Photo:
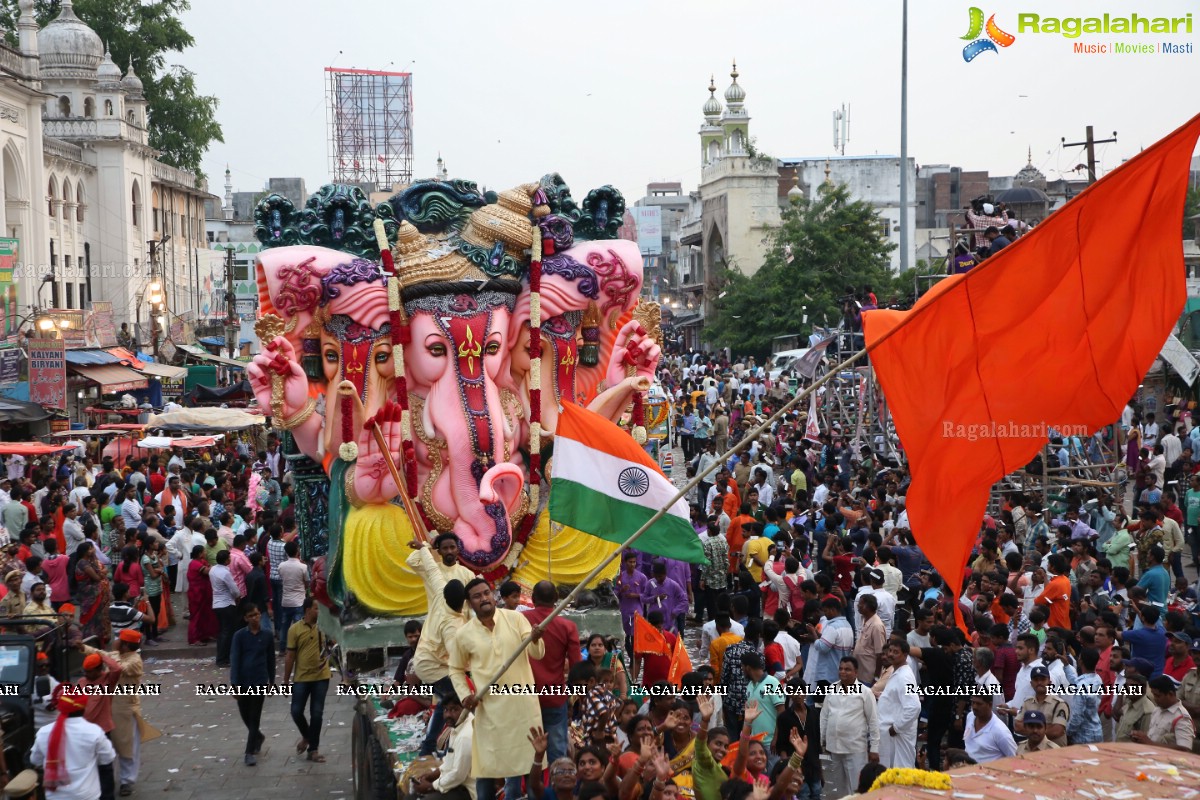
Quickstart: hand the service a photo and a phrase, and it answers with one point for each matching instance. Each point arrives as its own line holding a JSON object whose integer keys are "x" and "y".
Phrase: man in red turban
{"x": 71, "y": 749}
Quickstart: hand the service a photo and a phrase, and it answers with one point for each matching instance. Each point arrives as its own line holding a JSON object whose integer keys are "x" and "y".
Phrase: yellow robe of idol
{"x": 375, "y": 546}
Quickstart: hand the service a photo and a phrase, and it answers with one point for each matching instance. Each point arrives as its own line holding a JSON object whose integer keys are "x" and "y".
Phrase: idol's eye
{"x": 493, "y": 348}
{"x": 436, "y": 350}
{"x": 382, "y": 356}
{"x": 331, "y": 355}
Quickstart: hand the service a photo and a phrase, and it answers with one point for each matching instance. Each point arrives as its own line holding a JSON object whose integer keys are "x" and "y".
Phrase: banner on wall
{"x": 9, "y": 254}
{"x": 48, "y": 373}
{"x": 10, "y": 365}
{"x": 99, "y": 327}
{"x": 649, "y": 229}
{"x": 71, "y": 323}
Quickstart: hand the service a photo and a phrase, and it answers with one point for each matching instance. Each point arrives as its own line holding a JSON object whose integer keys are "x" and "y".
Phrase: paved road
{"x": 200, "y": 752}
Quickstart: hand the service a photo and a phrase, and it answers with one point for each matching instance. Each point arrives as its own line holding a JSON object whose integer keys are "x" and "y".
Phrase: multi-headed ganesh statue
{"x": 445, "y": 327}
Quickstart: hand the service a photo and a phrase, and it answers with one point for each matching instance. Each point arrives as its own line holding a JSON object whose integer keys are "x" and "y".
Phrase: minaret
{"x": 227, "y": 209}
{"x": 442, "y": 174}
{"x": 27, "y": 35}
{"x": 735, "y": 122}
{"x": 712, "y": 139}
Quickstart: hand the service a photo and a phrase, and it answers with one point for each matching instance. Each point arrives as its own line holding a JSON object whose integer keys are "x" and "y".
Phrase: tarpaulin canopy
{"x": 123, "y": 426}
{"x": 204, "y": 355}
{"x": 32, "y": 448}
{"x": 163, "y": 371}
{"x": 67, "y": 434}
{"x": 186, "y": 442}
{"x": 126, "y": 357}
{"x": 90, "y": 358}
{"x": 205, "y": 419}
{"x": 20, "y": 411}
{"x": 201, "y": 395}
{"x": 112, "y": 378}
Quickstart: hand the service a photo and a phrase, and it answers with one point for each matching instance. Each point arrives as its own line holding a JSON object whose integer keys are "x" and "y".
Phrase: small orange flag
{"x": 1054, "y": 332}
{"x": 647, "y": 639}
{"x": 681, "y": 663}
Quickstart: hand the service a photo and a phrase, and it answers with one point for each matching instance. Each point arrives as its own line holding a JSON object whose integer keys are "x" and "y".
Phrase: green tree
{"x": 143, "y": 32}
{"x": 1191, "y": 207}
{"x": 902, "y": 288}
{"x": 822, "y": 249}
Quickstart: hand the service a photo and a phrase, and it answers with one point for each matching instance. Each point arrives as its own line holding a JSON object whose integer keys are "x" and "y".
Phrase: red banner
{"x": 48, "y": 373}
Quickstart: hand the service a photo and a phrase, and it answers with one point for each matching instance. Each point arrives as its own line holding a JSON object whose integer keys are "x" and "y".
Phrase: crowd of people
{"x": 817, "y": 628}
{"x": 822, "y": 648}
{"x": 91, "y": 554}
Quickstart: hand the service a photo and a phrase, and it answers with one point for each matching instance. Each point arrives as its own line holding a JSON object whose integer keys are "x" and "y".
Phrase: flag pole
{"x": 753, "y": 434}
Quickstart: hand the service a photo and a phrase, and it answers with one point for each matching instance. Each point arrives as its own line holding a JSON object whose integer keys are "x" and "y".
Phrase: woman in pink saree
{"x": 202, "y": 625}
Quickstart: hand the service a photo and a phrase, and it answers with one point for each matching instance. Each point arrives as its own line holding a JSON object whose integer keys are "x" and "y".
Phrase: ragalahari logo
{"x": 995, "y": 36}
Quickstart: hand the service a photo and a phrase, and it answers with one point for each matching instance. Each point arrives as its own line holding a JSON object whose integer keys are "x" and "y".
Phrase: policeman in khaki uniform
{"x": 22, "y": 787}
{"x": 1054, "y": 709}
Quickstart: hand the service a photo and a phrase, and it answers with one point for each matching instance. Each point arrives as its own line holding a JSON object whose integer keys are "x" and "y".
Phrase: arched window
{"x": 89, "y": 107}
{"x": 67, "y": 194}
{"x": 714, "y": 151}
{"x": 108, "y": 108}
{"x": 64, "y": 106}
{"x": 129, "y": 117}
{"x": 52, "y": 195}
{"x": 137, "y": 205}
{"x": 79, "y": 201}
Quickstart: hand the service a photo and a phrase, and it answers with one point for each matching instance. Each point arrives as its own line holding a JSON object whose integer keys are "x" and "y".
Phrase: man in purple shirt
{"x": 666, "y": 595}
{"x": 678, "y": 571}
{"x": 629, "y": 586}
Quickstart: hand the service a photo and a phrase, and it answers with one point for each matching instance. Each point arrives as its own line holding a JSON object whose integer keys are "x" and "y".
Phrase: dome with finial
{"x": 795, "y": 191}
{"x": 131, "y": 82}
{"x": 108, "y": 74}
{"x": 735, "y": 94}
{"x": 1029, "y": 175}
{"x": 68, "y": 48}
{"x": 712, "y": 106}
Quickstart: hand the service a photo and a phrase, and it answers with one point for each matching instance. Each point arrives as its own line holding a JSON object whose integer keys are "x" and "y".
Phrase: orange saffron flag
{"x": 647, "y": 639}
{"x": 1056, "y": 331}
{"x": 681, "y": 663}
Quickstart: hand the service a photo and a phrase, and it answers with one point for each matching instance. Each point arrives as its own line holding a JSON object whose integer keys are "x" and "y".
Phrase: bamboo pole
{"x": 346, "y": 389}
{"x": 765, "y": 426}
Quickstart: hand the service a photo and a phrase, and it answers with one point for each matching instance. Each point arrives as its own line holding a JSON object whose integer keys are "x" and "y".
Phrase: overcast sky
{"x": 611, "y": 92}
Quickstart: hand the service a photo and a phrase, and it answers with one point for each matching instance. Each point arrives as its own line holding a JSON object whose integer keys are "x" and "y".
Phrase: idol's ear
{"x": 289, "y": 284}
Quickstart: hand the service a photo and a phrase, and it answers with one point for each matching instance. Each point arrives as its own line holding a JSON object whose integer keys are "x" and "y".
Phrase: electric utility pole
{"x": 1090, "y": 143}
{"x": 232, "y": 323}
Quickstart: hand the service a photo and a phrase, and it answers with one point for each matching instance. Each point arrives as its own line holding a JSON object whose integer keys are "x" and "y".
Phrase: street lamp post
{"x": 155, "y": 296}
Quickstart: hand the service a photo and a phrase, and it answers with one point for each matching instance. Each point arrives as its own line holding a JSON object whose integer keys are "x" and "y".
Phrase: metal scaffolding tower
{"x": 370, "y": 126}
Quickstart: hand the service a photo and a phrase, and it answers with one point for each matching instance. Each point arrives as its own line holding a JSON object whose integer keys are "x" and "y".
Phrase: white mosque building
{"x": 84, "y": 194}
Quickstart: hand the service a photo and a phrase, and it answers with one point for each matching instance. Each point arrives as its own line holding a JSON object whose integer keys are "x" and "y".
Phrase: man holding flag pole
{"x": 932, "y": 374}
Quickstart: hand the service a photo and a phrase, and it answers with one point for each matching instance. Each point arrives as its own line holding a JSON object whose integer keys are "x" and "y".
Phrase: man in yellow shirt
{"x": 756, "y": 551}
{"x": 308, "y": 657}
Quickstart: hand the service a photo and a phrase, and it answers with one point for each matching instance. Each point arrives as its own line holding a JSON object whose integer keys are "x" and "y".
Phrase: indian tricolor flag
{"x": 604, "y": 484}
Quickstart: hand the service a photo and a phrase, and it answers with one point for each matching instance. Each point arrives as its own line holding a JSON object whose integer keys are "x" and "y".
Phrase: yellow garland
{"x": 535, "y": 250}
{"x": 348, "y": 451}
{"x": 514, "y": 553}
{"x": 535, "y": 373}
{"x": 535, "y": 447}
{"x": 926, "y": 779}
{"x": 535, "y": 310}
{"x": 380, "y": 235}
{"x": 406, "y": 425}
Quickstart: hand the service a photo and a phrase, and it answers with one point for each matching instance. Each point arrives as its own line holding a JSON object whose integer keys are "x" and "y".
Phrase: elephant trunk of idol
{"x": 484, "y": 487}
